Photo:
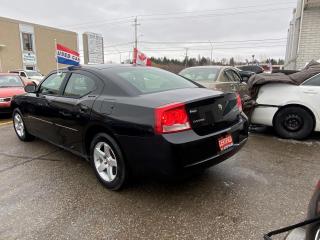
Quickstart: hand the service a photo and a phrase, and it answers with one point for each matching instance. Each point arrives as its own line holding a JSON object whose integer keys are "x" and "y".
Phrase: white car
{"x": 34, "y": 76}
{"x": 293, "y": 111}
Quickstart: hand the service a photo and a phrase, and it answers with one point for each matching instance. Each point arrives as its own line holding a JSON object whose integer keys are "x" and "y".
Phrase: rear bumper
{"x": 264, "y": 115}
{"x": 170, "y": 153}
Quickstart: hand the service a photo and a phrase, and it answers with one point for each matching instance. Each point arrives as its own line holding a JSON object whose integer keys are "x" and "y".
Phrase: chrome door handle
{"x": 310, "y": 91}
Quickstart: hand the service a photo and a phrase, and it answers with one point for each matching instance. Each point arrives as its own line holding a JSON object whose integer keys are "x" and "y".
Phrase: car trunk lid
{"x": 213, "y": 113}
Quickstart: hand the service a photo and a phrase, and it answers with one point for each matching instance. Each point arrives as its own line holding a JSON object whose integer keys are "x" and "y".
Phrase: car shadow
{"x": 269, "y": 131}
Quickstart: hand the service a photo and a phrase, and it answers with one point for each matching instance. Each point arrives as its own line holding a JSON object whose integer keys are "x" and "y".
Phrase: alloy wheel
{"x": 317, "y": 236}
{"x": 105, "y": 161}
{"x": 19, "y": 125}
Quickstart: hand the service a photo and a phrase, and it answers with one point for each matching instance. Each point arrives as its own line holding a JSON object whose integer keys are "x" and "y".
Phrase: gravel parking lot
{"x": 47, "y": 193}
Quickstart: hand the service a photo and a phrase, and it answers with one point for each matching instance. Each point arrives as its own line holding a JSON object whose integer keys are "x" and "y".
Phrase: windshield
{"x": 33, "y": 74}
{"x": 148, "y": 80}
{"x": 10, "y": 81}
{"x": 200, "y": 74}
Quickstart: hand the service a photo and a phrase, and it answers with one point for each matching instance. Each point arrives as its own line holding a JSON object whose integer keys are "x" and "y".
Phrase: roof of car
{"x": 9, "y": 74}
{"x": 210, "y": 66}
{"x": 98, "y": 66}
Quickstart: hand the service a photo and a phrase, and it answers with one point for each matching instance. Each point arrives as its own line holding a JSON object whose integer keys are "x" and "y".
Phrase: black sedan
{"x": 129, "y": 120}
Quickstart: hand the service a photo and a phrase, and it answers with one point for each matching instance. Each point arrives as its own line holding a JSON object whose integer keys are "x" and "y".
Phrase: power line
{"x": 216, "y": 42}
{"x": 116, "y": 45}
{"x": 145, "y": 16}
{"x": 201, "y": 49}
{"x": 215, "y": 15}
{"x": 214, "y": 10}
{"x": 109, "y": 21}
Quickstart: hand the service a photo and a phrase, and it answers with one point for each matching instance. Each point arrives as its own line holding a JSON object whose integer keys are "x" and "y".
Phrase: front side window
{"x": 27, "y": 42}
{"x": 52, "y": 84}
{"x": 314, "y": 81}
{"x": 79, "y": 85}
{"x": 148, "y": 80}
{"x": 10, "y": 81}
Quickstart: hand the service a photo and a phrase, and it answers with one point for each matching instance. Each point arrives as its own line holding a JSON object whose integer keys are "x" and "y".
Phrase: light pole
{"x": 211, "y": 43}
{"x": 186, "y": 57}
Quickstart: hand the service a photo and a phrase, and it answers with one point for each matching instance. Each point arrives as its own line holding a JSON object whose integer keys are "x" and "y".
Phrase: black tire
{"x": 120, "y": 170}
{"x": 26, "y": 136}
{"x": 293, "y": 123}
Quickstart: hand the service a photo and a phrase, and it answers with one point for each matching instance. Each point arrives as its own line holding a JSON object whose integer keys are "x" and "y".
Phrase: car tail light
{"x": 171, "y": 118}
{"x": 239, "y": 102}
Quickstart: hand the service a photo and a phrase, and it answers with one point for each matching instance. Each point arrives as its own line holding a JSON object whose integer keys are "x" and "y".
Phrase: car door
{"x": 39, "y": 109}
{"x": 310, "y": 93}
{"x": 74, "y": 108}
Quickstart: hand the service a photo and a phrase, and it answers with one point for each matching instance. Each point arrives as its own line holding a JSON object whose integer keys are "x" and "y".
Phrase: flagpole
{"x": 55, "y": 46}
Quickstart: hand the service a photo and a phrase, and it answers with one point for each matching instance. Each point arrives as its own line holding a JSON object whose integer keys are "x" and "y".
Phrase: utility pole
{"x": 136, "y": 24}
{"x": 186, "y": 57}
{"x": 118, "y": 52}
{"x": 211, "y": 43}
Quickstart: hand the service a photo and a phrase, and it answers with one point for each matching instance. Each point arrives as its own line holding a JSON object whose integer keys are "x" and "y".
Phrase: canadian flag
{"x": 140, "y": 58}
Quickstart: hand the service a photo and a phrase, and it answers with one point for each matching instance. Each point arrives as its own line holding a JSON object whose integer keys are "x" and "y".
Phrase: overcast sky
{"x": 170, "y": 25}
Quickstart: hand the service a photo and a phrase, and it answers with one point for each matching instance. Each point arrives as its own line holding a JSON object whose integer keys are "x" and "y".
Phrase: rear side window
{"x": 314, "y": 81}
{"x": 79, "y": 85}
{"x": 233, "y": 76}
{"x": 52, "y": 84}
{"x": 148, "y": 80}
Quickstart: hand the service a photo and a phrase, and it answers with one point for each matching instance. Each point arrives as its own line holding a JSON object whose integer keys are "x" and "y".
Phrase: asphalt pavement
{"x": 48, "y": 193}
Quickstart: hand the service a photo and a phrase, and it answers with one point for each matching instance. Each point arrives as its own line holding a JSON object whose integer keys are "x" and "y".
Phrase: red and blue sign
{"x": 67, "y": 56}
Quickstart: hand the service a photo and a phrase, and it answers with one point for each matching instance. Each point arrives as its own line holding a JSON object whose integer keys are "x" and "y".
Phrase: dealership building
{"x": 303, "y": 44}
{"x": 31, "y": 46}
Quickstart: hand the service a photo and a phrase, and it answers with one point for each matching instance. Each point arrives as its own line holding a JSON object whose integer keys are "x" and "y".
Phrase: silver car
{"x": 223, "y": 78}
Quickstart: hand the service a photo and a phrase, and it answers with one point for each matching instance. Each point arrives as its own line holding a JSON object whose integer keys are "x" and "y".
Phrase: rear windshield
{"x": 10, "y": 81}
{"x": 33, "y": 74}
{"x": 149, "y": 80}
{"x": 200, "y": 74}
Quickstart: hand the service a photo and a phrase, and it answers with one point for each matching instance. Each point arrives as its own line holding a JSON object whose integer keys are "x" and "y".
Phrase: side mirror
{"x": 30, "y": 87}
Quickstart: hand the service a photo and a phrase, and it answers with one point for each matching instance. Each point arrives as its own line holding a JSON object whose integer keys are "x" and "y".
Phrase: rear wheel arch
{"x": 298, "y": 106}
{"x": 91, "y": 132}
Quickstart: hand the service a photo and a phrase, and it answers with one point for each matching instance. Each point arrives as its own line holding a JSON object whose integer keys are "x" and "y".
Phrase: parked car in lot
{"x": 245, "y": 75}
{"x": 223, "y": 78}
{"x": 252, "y": 68}
{"x": 292, "y": 110}
{"x": 10, "y": 85}
{"x": 28, "y": 75}
{"x": 125, "y": 118}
